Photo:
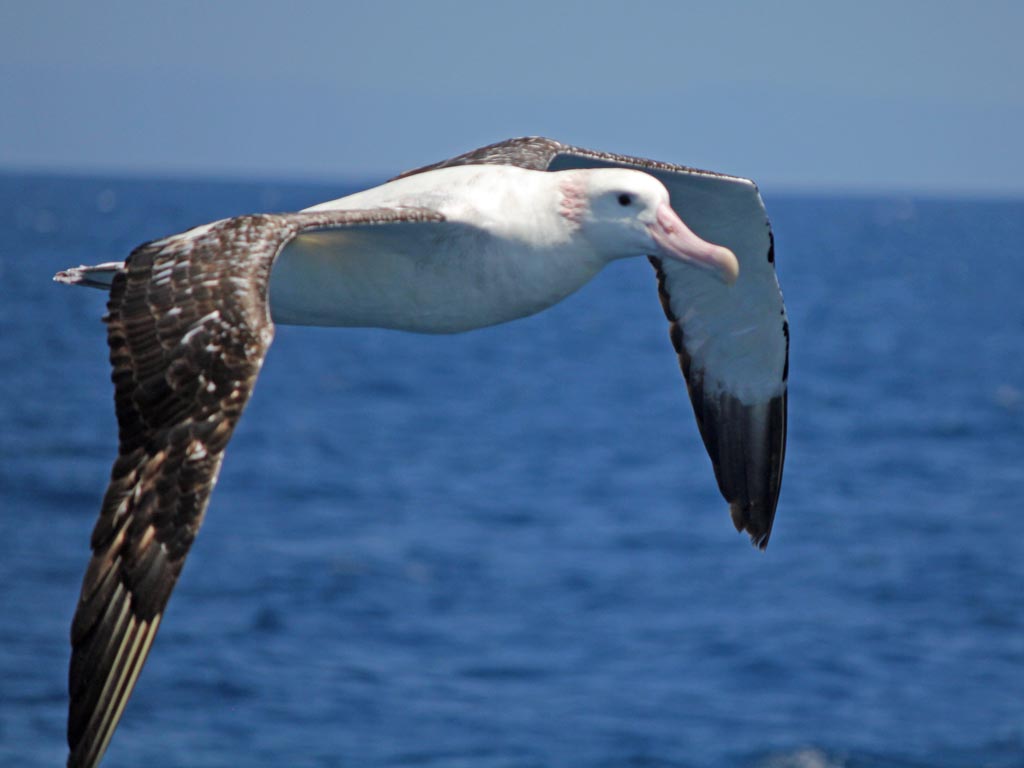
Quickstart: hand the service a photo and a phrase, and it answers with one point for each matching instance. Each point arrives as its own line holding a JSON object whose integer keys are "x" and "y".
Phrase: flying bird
{"x": 499, "y": 233}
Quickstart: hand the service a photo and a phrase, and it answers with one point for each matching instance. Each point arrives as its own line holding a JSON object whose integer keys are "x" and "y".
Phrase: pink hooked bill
{"x": 677, "y": 241}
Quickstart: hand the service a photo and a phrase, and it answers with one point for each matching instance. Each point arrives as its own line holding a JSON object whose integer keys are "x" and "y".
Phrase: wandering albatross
{"x": 498, "y": 233}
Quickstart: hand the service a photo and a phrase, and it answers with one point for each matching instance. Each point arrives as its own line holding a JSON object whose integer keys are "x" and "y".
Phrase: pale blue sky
{"x": 922, "y": 96}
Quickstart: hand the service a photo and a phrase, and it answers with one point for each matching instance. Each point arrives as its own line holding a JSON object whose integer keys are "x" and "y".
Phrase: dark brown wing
{"x": 732, "y": 342}
{"x": 534, "y": 153}
{"x": 188, "y": 328}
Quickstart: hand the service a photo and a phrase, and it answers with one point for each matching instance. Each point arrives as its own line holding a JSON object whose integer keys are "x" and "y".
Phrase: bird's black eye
{"x": 625, "y": 199}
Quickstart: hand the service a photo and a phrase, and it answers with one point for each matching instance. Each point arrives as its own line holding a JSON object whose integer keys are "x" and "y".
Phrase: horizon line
{"x": 297, "y": 178}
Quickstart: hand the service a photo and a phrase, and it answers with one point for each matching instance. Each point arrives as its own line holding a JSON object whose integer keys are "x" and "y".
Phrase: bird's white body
{"x": 482, "y": 267}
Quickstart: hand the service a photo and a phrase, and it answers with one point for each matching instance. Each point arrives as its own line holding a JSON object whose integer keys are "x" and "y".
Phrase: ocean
{"x": 506, "y": 548}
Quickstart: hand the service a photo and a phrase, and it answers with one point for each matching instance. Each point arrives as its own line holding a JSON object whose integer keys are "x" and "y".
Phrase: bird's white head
{"x": 627, "y": 213}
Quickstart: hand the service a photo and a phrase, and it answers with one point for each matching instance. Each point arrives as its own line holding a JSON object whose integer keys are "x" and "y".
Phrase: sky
{"x": 865, "y": 96}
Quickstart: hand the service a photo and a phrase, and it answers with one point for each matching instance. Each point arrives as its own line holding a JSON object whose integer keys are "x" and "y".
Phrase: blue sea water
{"x": 506, "y": 548}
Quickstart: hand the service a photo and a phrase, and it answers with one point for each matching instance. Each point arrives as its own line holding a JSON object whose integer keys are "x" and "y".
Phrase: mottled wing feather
{"x": 186, "y": 345}
{"x": 531, "y": 152}
{"x": 188, "y": 328}
{"x": 732, "y": 342}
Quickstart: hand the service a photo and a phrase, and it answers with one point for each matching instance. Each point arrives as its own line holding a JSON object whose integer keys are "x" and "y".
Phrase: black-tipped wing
{"x": 188, "y": 328}
{"x": 732, "y": 341}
